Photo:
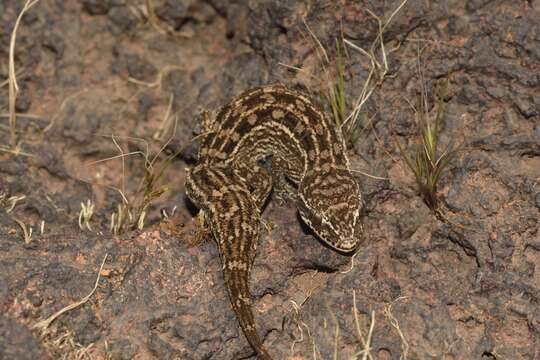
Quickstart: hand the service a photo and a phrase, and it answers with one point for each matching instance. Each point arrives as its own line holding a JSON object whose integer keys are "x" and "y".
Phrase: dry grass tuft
{"x": 161, "y": 27}
{"x": 27, "y": 231}
{"x": 332, "y": 80}
{"x": 131, "y": 213}
{"x": 427, "y": 162}
{"x": 365, "y": 339}
{"x": 85, "y": 215}
{"x": 334, "y": 93}
{"x": 9, "y": 202}
{"x": 378, "y": 57}
{"x": 61, "y": 343}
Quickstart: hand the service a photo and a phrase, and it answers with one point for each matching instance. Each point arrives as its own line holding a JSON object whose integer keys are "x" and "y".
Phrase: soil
{"x": 98, "y": 80}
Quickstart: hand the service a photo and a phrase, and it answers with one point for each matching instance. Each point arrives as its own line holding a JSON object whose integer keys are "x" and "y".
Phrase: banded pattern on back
{"x": 230, "y": 187}
{"x": 274, "y": 120}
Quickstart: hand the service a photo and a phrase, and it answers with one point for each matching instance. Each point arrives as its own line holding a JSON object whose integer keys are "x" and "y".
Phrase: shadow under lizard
{"x": 230, "y": 187}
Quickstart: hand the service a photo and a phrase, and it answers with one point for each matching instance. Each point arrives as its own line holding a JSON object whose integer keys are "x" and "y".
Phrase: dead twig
{"x": 366, "y": 342}
{"x": 44, "y": 324}
{"x": 27, "y": 232}
{"x": 12, "y": 79}
{"x": 395, "y": 324}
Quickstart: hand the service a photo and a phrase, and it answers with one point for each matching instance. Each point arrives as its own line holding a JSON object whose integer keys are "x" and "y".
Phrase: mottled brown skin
{"x": 230, "y": 187}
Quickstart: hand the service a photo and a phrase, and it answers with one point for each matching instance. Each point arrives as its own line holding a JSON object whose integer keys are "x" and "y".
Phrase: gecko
{"x": 268, "y": 139}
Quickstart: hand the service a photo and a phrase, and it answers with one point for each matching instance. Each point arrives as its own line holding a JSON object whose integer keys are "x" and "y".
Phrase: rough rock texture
{"x": 96, "y": 76}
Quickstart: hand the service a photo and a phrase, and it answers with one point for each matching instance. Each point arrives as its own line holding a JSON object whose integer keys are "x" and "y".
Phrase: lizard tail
{"x": 238, "y": 238}
{"x": 235, "y": 222}
{"x": 241, "y": 302}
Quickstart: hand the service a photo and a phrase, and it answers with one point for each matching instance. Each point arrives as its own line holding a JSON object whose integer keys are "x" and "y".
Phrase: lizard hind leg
{"x": 202, "y": 232}
{"x": 284, "y": 189}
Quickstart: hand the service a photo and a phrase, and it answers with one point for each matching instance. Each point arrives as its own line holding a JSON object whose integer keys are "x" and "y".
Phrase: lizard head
{"x": 330, "y": 203}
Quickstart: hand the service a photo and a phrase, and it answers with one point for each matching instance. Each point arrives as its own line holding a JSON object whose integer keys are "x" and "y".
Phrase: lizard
{"x": 230, "y": 184}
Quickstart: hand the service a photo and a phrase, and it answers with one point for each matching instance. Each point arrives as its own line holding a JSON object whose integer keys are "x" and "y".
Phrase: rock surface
{"x": 96, "y": 77}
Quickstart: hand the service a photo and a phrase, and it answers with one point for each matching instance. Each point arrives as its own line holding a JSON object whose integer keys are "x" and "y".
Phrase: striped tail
{"x": 237, "y": 286}
{"x": 235, "y": 222}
